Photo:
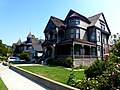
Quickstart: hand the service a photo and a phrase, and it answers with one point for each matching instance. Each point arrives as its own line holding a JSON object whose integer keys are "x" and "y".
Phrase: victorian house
{"x": 84, "y": 39}
{"x": 32, "y": 46}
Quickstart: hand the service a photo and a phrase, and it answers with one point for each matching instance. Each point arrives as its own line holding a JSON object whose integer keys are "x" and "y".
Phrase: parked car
{"x": 15, "y": 59}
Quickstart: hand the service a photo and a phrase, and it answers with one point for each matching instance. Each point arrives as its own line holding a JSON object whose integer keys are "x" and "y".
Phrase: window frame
{"x": 98, "y": 36}
{"x": 102, "y": 26}
{"x": 74, "y": 21}
{"x": 77, "y": 33}
{"x": 74, "y": 33}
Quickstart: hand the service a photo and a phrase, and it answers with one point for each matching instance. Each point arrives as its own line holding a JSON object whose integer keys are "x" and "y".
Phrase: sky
{"x": 19, "y": 17}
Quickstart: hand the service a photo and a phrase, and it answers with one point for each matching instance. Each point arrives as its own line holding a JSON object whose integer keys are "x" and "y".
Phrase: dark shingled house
{"x": 84, "y": 39}
{"x": 32, "y": 46}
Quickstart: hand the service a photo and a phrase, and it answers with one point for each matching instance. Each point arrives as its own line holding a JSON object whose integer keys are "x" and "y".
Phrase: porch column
{"x": 54, "y": 50}
{"x": 57, "y": 34}
{"x": 83, "y": 51}
{"x": 73, "y": 53}
{"x": 90, "y": 52}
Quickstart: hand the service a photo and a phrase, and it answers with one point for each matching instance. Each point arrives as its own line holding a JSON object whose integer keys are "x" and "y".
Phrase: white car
{"x": 14, "y": 59}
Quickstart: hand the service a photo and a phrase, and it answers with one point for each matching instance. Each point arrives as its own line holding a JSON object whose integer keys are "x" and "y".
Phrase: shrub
{"x": 81, "y": 67}
{"x": 97, "y": 68}
{"x": 24, "y": 56}
{"x": 72, "y": 79}
{"x": 69, "y": 62}
{"x": 57, "y": 62}
{"x": 114, "y": 58}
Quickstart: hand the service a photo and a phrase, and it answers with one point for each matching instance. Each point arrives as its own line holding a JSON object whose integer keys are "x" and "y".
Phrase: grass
{"x": 56, "y": 73}
{"x": 2, "y": 85}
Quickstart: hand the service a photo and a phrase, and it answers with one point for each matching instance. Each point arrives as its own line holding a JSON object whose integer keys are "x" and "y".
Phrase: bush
{"x": 114, "y": 58}
{"x": 24, "y": 56}
{"x": 97, "y": 68}
{"x": 57, "y": 62}
{"x": 72, "y": 79}
{"x": 69, "y": 62}
{"x": 102, "y": 75}
{"x": 81, "y": 67}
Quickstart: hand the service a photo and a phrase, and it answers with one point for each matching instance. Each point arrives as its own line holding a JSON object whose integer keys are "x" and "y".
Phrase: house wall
{"x": 98, "y": 36}
{"x": 84, "y": 62}
{"x": 105, "y": 39}
{"x": 83, "y": 24}
{"x": 83, "y": 34}
{"x": 92, "y": 34}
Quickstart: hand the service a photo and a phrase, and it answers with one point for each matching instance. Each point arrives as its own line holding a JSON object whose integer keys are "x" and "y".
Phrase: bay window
{"x": 75, "y": 33}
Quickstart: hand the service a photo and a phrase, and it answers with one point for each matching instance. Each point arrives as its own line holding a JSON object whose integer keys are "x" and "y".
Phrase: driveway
{"x": 15, "y": 81}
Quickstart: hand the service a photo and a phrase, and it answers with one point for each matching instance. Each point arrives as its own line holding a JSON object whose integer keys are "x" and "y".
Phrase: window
{"x": 102, "y": 25}
{"x": 77, "y": 33}
{"x": 77, "y": 21}
{"x": 103, "y": 41}
{"x": 71, "y": 50}
{"x": 61, "y": 34}
{"x": 50, "y": 36}
{"x": 93, "y": 36}
{"x": 74, "y": 21}
{"x": 72, "y": 33}
{"x": 98, "y": 36}
{"x": 98, "y": 48}
{"x": 93, "y": 51}
{"x": 77, "y": 50}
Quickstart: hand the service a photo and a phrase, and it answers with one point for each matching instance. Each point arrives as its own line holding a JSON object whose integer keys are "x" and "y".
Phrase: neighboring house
{"x": 32, "y": 45}
{"x": 83, "y": 39}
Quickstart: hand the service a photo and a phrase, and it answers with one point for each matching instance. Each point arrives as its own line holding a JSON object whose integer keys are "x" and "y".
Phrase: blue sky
{"x": 19, "y": 17}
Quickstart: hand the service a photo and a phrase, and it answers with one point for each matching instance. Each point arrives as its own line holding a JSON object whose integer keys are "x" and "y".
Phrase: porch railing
{"x": 76, "y": 56}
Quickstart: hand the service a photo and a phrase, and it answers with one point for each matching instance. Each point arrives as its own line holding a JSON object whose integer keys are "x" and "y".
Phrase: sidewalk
{"x": 15, "y": 81}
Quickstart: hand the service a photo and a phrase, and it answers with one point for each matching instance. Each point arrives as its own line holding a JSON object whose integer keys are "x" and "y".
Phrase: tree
{"x": 5, "y": 50}
{"x": 24, "y": 56}
{"x": 116, "y": 48}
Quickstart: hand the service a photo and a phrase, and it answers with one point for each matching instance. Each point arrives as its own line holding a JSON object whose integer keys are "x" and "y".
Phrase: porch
{"x": 81, "y": 53}
{"x": 85, "y": 60}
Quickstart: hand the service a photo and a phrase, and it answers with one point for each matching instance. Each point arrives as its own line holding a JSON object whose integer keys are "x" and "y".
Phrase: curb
{"x": 42, "y": 80}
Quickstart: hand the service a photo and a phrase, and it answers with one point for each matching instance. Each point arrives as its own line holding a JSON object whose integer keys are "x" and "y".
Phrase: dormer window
{"x": 74, "y": 21}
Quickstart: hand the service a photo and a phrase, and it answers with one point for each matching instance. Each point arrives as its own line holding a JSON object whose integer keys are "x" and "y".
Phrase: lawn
{"x": 56, "y": 73}
{"x": 2, "y": 85}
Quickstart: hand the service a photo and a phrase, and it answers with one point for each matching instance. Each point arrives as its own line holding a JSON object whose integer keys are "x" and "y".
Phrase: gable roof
{"x": 56, "y": 22}
{"x": 75, "y": 14}
{"x": 94, "y": 19}
{"x": 19, "y": 41}
{"x": 37, "y": 47}
{"x": 30, "y": 35}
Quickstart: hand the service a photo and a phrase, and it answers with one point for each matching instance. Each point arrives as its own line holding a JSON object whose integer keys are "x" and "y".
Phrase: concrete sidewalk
{"x": 15, "y": 81}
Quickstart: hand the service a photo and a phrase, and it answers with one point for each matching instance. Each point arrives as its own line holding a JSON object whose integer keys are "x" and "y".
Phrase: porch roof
{"x": 77, "y": 41}
{"x": 47, "y": 43}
